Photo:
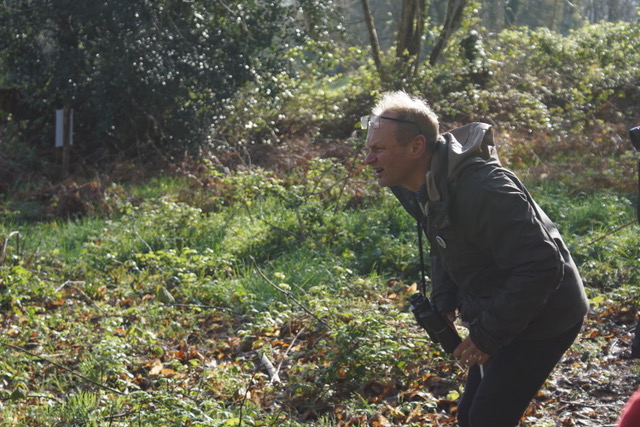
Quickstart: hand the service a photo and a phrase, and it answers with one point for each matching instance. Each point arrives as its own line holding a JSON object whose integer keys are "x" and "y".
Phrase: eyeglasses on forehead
{"x": 373, "y": 122}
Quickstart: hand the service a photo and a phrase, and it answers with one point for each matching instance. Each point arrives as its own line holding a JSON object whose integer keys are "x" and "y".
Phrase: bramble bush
{"x": 281, "y": 267}
{"x": 563, "y": 94}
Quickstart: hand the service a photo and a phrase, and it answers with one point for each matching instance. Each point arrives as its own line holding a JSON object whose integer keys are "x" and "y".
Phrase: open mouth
{"x": 378, "y": 172}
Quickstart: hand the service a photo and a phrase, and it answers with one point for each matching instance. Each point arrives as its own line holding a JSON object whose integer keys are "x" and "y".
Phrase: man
{"x": 496, "y": 258}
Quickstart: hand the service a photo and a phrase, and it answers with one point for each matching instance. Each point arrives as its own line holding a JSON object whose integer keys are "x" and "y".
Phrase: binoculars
{"x": 439, "y": 330}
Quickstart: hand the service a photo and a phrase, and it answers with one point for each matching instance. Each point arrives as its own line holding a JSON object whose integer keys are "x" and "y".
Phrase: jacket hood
{"x": 456, "y": 149}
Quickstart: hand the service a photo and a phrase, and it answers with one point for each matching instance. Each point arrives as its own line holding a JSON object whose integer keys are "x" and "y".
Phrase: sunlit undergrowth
{"x": 248, "y": 299}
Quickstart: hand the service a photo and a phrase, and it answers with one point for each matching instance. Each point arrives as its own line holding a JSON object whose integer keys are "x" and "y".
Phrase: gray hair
{"x": 412, "y": 108}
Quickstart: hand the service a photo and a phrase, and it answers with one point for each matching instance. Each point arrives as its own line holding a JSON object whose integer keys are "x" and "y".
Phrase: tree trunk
{"x": 452, "y": 20}
{"x": 554, "y": 15}
{"x": 373, "y": 39}
{"x": 410, "y": 36}
{"x": 511, "y": 8}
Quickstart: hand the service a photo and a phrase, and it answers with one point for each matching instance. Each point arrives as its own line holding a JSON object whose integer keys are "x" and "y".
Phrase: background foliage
{"x": 154, "y": 81}
{"x": 141, "y": 76}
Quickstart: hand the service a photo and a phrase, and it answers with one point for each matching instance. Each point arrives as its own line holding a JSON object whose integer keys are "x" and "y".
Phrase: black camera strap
{"x": 439, "y": 329}
{"x": 423, "y": 281}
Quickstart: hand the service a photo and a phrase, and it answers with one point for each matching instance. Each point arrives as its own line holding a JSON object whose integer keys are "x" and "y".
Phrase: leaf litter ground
{"x": 588, "y": 388}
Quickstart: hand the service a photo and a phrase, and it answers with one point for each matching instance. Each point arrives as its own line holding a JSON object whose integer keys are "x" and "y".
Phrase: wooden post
{"x": 64, "y": 135}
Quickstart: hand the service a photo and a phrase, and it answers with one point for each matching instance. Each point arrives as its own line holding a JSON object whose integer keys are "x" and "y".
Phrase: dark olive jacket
{"x": 495, "y": 255}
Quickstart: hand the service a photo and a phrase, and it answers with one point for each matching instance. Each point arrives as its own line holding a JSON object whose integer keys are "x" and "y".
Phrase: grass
{"x": 601, "y": 233}
{"x": 285, "y": 271}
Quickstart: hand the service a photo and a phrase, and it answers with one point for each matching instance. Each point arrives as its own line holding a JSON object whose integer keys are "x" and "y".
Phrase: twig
{"x": 288, "y": 295}
{"x": 348, "y": 177}
{"x": 43, "y": 396}
{"x": 244, "y": 398}
{"x": 271, "y": 370}
{"x": 217, "y": 307}
{"x": 586, "y": 404}
{"x": 116, "y": 416}
{"x": 135, "y": 230}
{"x": 64, "y": 368}
{"x": 72, "y": 285}
{"x": 609, "y": 233}
{"x": 3, "y": 253}
{"x": 288, "y": 350}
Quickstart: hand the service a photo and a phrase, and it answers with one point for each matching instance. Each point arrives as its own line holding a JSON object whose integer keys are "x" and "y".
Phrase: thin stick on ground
{"x": 57, "y": 365}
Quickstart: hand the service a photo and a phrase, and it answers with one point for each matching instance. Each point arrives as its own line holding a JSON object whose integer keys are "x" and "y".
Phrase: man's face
{"x": 393, "y": 162}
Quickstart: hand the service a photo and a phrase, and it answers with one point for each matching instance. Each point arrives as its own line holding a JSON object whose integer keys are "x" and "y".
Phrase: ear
{"x": 418, "y": 146}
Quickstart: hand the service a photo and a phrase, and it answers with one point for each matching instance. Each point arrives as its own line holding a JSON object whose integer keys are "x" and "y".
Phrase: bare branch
{"x": 57, "y": 365}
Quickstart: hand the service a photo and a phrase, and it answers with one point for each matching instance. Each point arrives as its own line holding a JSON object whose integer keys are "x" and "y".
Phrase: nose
{"x": 369, "y": 158}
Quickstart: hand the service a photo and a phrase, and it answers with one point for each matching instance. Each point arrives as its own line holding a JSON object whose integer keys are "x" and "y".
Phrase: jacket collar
{"x": 453, "y": 150}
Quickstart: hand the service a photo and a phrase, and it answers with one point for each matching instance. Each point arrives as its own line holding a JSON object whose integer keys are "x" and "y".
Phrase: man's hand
{"x": 450, "y": 316}
{"x": 469, "y": 354}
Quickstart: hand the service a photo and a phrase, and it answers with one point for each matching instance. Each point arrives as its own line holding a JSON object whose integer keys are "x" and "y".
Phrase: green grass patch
{"x": 165, "y": 312}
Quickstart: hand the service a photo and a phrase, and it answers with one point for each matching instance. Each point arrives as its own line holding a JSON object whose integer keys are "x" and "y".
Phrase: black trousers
{"x": 512, "y": 378}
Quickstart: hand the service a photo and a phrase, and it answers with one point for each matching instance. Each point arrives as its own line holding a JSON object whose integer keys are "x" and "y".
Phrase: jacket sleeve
{"x": 524, "y": 257}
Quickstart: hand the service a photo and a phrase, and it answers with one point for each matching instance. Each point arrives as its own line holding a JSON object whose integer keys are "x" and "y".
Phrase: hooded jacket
{"x": 495, "y": 255}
